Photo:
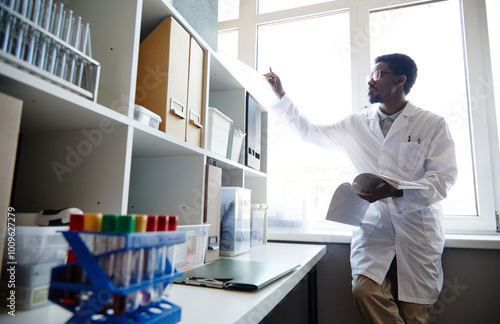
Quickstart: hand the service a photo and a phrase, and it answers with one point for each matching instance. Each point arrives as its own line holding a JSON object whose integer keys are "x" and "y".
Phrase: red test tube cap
{"x": 76, "y": 222}
{"x": 162, "y": 223}
{"x": 152, "y": 223}
{"x": 172, "y": 223}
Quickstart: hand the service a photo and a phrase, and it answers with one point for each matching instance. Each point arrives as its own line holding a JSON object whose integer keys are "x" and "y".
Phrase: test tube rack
{"x": 102, "y": 287}
{"x": 29, "y": 42}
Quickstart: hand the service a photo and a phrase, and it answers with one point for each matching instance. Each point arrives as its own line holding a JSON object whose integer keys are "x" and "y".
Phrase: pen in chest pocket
{"x": 418, "y": 140}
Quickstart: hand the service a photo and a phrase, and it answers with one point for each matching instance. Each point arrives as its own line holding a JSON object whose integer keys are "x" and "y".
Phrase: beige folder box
{"x": 195, "y": 94}
{"x": 162, "y": 76}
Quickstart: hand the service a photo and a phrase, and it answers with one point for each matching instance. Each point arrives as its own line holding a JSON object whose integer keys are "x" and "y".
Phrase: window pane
{"x": 229, "y": 10}
{"x": 228, "y": 42}
{"x": 437, "y": 48}
{"x": 493, "y": 11}
{"x": 276, "y": 5}
{"x": 301, "y": 176}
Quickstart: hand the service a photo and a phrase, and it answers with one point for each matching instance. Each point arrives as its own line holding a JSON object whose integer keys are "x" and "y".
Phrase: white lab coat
{"x": 411, "y": 226}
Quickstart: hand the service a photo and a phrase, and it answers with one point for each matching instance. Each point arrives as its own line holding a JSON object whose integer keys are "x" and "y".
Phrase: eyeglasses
{"x": 376, "y": 75}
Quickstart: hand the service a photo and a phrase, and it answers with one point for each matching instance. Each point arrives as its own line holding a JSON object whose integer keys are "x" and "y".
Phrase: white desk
{"x": 209, "y": 305}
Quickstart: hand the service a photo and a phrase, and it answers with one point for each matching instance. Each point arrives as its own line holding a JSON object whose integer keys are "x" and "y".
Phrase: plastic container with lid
{"x": 146, "y": 117}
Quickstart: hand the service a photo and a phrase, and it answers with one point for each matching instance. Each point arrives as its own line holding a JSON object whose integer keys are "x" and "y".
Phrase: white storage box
{"x": 146, "y": 117}
{"x": 38, "y": 244}
{"x": 191, "y": 254}
{"x": 218, "y": 126}
{"x": 37, "y": 250}
{"x": 234, "y": 221}
{"x": 235, "y": 143}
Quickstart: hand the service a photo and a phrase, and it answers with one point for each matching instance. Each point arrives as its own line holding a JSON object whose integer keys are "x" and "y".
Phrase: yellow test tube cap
{"x": 141, "y": 222}
{"x": 92, "y": 222}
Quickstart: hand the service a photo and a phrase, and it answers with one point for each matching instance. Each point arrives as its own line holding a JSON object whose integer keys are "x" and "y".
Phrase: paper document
{"x": 346, "y": 207}
{"x": 367, "y": 181}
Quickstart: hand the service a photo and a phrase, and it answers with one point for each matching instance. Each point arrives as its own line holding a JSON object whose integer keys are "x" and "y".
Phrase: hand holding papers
{"x": 347, "y": 208}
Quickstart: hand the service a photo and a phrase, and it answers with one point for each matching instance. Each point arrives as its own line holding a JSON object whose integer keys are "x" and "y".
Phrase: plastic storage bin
{"x": 146, "y": 117}
{"x": 235, "y": 143}
{"x": 235, "y": 221}
{"x": 192, "y": 253}
{"x": 218, "y": 126}
{"x": 37, "y": 251}
{"x": 257, "y": 224}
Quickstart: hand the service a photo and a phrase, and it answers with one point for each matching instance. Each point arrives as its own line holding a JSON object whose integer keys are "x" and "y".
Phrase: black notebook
{"x": 236, "y": 274}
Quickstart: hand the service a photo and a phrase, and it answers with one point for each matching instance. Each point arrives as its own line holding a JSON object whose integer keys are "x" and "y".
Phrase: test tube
{"x": 161, "y": 254}
{"x": 68, "y": 30}
{"x": 141, "y": 222}
{"x": 76, "y": 44}
{"x": 92, "y": 223}
{"x": 105, "y": 243}
{"x": 123, "y": 264}
{"x": 137, "y": 264}
{"x": 171, "y": 250}
{"x": 10, "y": 21}
{"x": 33, "y": 36}
{"x": 149, "y": 263}
{"x": 74, "y": 272}
{"x": 57, "y": 31}
{"x": 21, "y": 31}
{"x": 45, "y": 23}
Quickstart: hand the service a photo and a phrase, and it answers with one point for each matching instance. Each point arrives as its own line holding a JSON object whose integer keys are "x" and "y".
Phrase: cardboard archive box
{"x": 168, "y": 59}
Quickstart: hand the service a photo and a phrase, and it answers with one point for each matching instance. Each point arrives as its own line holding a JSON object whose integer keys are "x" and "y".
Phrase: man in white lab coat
{"x": 396, "y": 252}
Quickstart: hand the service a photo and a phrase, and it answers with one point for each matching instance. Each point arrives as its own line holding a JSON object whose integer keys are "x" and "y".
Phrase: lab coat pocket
{"x": 434, "y": 230}
{"x": 411, "y": 155}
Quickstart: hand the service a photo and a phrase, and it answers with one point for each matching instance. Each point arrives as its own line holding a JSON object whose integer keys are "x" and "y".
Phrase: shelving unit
{"x": 93, "y": 155}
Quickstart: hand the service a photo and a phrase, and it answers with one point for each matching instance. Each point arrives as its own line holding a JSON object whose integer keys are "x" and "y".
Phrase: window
{"x": 341, "y": 39}
{"x": 310, "y": 66}
{"x": 493, "y": 11}
{"x": 228, "y": 9}
{"x": 440, "y": 88}
{"x": 228, "y": 42}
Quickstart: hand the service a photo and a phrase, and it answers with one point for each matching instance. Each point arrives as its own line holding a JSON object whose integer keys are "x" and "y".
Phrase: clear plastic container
{"x": 146, "y": 117}
{"x": 235, "y": 221}
{"x": 36, "y": 250}
{"x": 218, "y": 126}
{"x": 192, "y": 253}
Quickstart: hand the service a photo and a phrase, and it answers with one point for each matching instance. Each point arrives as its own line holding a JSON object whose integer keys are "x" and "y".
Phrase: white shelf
{"x": 48, "y": 107}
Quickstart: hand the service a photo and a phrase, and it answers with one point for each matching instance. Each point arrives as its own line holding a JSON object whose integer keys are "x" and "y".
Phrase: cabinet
{"x": 93, "y": 155}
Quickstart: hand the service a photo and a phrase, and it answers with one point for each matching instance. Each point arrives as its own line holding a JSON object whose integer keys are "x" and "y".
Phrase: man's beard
{"x": 374, "y": 99}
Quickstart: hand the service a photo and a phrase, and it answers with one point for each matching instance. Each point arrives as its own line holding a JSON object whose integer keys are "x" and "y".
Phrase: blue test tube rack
{"x": 103, "y": 289}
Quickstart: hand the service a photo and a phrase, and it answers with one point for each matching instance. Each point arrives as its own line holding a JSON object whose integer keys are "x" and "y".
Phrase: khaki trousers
{"x": 377, "y": 304}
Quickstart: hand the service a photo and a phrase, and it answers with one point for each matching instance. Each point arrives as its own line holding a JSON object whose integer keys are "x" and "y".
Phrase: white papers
{"x": 346, "y": 207}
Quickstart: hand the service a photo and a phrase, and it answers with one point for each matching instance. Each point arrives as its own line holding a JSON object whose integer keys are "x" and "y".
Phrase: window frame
{"x": 485, "y": 141}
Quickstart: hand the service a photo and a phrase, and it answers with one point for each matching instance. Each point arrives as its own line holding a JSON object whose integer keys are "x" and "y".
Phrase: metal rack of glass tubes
{"x": 99, "y": 296}
{"x": 49, "y": 41}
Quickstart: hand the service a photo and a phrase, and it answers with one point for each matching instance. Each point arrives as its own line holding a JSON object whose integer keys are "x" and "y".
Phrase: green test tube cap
{"x": 126, "y": 224}
{"x": 109, "y": 223}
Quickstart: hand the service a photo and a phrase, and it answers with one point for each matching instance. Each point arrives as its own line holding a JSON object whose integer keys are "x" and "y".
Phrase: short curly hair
{"x": 401, "y": 64}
